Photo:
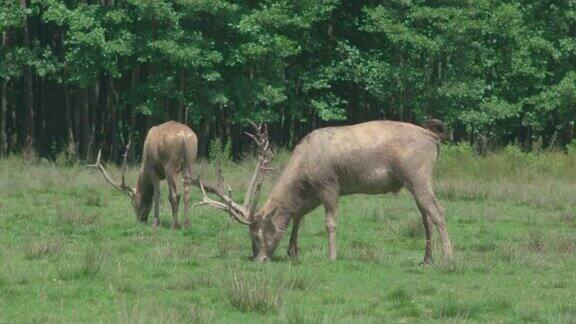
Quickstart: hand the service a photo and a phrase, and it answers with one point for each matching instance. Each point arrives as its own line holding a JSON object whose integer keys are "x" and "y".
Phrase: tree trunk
{"x": 182, "y": 113}
{"x": 3, "y": 111}
{"x": 14, "y": 139}
{"x": 111, "y": 103}
{"x": 71, "y": 143}
{"x": 28, "y": 91}
{"x": 204, "y": 137}
{"x": 133, "y": 115}
{"x": 4, "y": 106}
{"x": 85, "y": 123}
{"x": 43, "y": 138}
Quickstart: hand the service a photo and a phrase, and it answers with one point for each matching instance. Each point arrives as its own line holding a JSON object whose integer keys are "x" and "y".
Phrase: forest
{"x": 79, "y": 75}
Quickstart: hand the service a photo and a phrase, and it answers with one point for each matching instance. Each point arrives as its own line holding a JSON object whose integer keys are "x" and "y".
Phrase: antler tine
{"x": 264, "y": 158}
{"x": 220, "y": 177}
{"x": 254, "y": 125}
{"x": 98, "y": 165}
{"x": 124, "y": 162}
{"x": 241, "y": 213}
{"x": 230, "y": 207}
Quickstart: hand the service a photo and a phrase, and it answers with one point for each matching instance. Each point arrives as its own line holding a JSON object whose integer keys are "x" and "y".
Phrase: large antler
{"x": 241, "y": 213}
{"x": 122, "y": 186}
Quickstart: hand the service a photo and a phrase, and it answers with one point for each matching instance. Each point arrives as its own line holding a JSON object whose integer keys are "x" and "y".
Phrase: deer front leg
{"x": 174, "y": 197}
{"x": 293, "y": 245}
{"x": 156, "y": 185}
{"x": 329, "y": 199}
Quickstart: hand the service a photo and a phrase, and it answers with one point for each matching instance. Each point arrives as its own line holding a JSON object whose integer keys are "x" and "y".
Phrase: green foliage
{"x": 503, "y": 69}
{"x": 571, "y": 148}
{"x": 220, "y": 153}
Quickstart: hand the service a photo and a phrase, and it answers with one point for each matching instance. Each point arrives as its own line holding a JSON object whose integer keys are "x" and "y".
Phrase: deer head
{"x": 242, "y": 213}
{"x": 141, "y": 205}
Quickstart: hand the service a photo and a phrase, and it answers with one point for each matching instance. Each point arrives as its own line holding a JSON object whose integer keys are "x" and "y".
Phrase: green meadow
{"x": 71, "y": 250}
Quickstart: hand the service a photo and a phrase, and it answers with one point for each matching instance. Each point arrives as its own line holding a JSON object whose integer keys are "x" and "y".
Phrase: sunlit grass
{"x": 71, "y": 250}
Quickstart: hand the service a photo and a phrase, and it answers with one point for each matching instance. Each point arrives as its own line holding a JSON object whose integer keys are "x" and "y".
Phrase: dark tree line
{"x": 79, "y": 75}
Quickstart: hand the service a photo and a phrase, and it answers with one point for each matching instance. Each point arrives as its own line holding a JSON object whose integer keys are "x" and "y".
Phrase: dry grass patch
{"x": 177, "y": 252}
{"x": 38, "y": 249}
{"x": 73, "y": 216}
{"x": 255, "y": 294}
{"x": 92, "y": 262}
{"x": 148, "y": 312}
{"x": 94, "y": 198}
{"x": 191, "y": 282}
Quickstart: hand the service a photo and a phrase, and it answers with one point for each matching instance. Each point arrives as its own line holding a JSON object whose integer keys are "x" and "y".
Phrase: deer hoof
{"x": 262, "y": 258}
{"x": 175, "y": 226}
{"x": 293, "y": 253}
{"x": 426, "y": 262}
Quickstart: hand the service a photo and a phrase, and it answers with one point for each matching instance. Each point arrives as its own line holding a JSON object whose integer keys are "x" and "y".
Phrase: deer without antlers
{"x": 169, "y": 149}
{"x": 369, "y": 158}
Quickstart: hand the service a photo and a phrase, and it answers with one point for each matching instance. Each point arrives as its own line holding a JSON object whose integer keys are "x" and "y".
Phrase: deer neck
{"x": 144, "y": 184}
{"x": 288, "y": 199}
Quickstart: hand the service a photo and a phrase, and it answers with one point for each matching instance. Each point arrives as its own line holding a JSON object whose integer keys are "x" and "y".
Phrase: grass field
{"x": 71, "y": 250}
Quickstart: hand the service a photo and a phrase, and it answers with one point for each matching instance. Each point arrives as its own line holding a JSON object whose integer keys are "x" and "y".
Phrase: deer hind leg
{"x": 329, "y": 198}
{"x": 187, "y": 174}
{"x": 293, "y": 250}
{"x": 187, "y": 203}
{"x": 431, "y": 213}
{"x": 156, "y": 185}
{"x": 174, "y": 196}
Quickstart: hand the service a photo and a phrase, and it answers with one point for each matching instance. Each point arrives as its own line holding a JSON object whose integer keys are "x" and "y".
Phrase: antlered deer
{"x": 369, "y": 158}
{"x": 169, "y": 149}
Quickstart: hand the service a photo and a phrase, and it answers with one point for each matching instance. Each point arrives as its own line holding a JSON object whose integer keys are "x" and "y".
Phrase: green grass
{"x": 71, "y": 250}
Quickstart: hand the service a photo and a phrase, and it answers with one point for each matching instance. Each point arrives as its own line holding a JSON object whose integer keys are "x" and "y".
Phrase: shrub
{"x": 220, "y": 152}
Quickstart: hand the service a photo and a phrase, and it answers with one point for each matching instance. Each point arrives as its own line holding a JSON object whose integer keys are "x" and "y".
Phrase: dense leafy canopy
{"x": 503, "y": 69}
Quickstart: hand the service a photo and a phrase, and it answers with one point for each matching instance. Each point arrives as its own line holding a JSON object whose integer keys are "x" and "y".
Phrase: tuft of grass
{"x": 484, "y": 247}
{"x": 73, "y": 216}
{"x": 399, "y": 294}
{"x": 226, "y": 247}
{"x": 536, "y": 242}
{"x": 565, "y": 314}
{"x": 177, "y": 252}
{"x": 92, "y": 262}
{"x": 148, "y": 312}
{"x": 93, "y": 198}
{"x": 566, "y": 245}
{"x": 250, "y": 294}
{"x": 190, "y": 283}
{"x": 454, "y": 309}
{"x": 124, "y": 286}
{"x": 296, "y": 315}
{"x": 41, "y": 248}
{"x": 298, "y": 282}
{"x": 450, "y": 267}
{"x": 414, "y": 228}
